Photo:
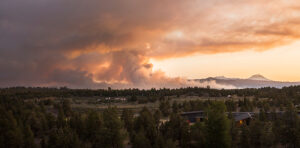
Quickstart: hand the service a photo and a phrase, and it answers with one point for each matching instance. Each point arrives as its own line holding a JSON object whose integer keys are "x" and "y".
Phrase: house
{"x": 242, "y": 117}
{"x": 194, "y": 116}
{"x": 199, "y": 116}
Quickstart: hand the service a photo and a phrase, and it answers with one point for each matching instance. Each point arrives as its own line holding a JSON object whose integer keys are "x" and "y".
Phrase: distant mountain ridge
{"x": 255, "y": 81}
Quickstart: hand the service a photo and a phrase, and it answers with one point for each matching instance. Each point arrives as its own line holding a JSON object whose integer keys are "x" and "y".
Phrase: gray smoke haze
{"x": 97, "y": 43}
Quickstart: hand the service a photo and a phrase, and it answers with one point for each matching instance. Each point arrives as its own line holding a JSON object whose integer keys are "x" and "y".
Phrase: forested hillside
{"x": 30, "y": 118}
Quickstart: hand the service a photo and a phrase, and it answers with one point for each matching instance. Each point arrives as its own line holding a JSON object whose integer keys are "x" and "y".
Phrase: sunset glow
{"x": 281, "y": 63}
{"x": 144, "y": 44}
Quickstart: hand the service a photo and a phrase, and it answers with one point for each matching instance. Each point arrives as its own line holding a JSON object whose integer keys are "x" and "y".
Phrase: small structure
{"x": 112, "y": 99}
{"x": 120, "y": 99}
{"x": 107, "y": 98}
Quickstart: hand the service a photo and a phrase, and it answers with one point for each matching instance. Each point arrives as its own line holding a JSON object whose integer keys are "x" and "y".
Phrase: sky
{"x": 280, "y": 64}
{"x": 145, "y": 44}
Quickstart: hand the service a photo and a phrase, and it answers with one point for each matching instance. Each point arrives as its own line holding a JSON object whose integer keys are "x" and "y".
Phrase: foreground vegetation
{"x": 30, "y": 118}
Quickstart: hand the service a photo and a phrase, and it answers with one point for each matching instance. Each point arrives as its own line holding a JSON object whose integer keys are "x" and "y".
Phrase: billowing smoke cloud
{"x": 97, "y": 43}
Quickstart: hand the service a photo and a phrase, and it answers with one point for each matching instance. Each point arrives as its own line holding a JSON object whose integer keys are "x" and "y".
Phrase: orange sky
{"x": 280, "y": 63}
{"x": 142, "y": 43}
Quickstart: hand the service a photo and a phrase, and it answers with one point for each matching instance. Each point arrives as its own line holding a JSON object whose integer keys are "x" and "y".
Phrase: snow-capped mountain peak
{"x": 258, "y": 77}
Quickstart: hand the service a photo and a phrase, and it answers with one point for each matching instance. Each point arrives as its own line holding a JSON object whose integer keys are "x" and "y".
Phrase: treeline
{"x": 28, "y": 124}
{"x": 292, "y": 93}
{"x": 167, "y": 106}
{"x": 36, "y": 124}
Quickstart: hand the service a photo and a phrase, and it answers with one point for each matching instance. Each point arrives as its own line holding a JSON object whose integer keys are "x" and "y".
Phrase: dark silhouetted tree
{"x": 217, "y": 126}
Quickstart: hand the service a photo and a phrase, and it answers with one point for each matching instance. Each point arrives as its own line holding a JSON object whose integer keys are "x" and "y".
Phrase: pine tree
{"x": 64, "y": 138}
{"x": 11, "y": 134}
{"x": 127, "y": 117}
{"x": 256, "y": 129}
{"x": 61, "y": 119}
{"x": 289, "y": 131}
{"x": 165, "y": 107}
{"x": 175, "y": 107}
{"x": 146, "y": 122}
{"x": 112, "y": 135}
{"x": 66, "y": 105}
{"x": 198, "y": 134}
{"x": 28, "y": 138}
{"x": 244, "y": 141}
{"x": 217, "y": 126}
{"x": 139, "y": 140}
{"x": 234, "y": 131}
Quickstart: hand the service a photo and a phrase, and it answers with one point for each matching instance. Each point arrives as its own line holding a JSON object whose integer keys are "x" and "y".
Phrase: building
{"x": 242, "y": 117}
{"x": 199, "y": 116}
{"x": 194, "y": 116}
{"x": 118, "y": 99}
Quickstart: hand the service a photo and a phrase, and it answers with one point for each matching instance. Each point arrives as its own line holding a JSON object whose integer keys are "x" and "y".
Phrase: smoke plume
{"x": 97, "y": 43}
